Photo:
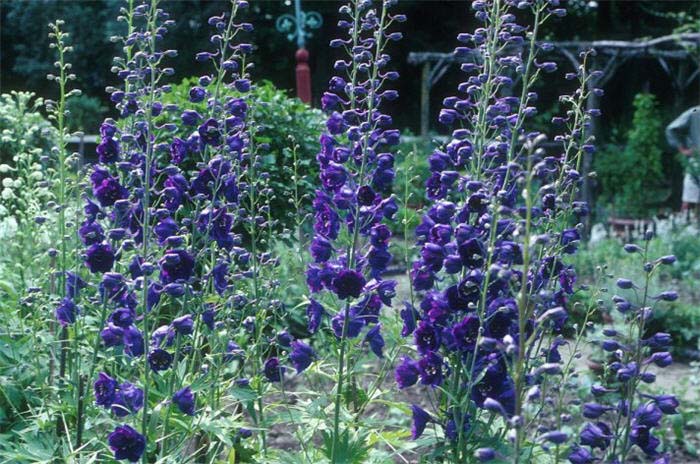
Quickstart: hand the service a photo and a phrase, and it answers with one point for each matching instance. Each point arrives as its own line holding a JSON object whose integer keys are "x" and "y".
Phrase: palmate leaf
{"x": 349, "y": 450}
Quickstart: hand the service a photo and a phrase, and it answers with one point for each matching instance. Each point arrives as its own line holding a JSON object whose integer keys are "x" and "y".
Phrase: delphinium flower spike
{"x": 492, "y": 282}
{"x": 619, "y": 414}
{"x": 350, "y": 244}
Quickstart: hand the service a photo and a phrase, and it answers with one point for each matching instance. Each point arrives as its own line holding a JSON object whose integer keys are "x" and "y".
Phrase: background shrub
{"x": 632, "y": 179}
{"x": 26, "y": 139}
{"x": 284, "y": 122}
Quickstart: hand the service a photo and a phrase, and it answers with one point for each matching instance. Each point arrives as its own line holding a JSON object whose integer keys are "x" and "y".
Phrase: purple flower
{"x": 112, "y": 335}
{"x": 209, "y": 132}
{"x": 129, "y": 400}
{"x": 406, "y": 373}
{"x": 354, "y": 326}
{"x": 165, "y": 228}
{"x": 126, "y": 443}
{"x": 184, "y": 399}
{"x": 301, "y": 356}
{"x": 642, "y": 437}
{"x": 108, "y": 150}
{"x": 105, "y": 388}
{"x": 465, "y": 333}
{"x": 321, "y": 249}
{"x": 596, "y": 435}
{"x": 648, "y": 415}
{"x": 74, "y": 284}
{"x": 421, "y": 418}
{"x": 91, "y": 233}
{"x": 66, "y": 312}
{"x": 219, "y": 274}
{"x": 273, "y": 370}
{"x": 99, "y": 258}
{"x": 197, "y": 94}
{"x": 183, "y": 325}
{"x": 430, "y": 369}
{"x": 427, "y": 337}
{"x": 159, "y": 359}
{"x": 348, "y": 284}
{"x": 176, "y": 265}
{"x": 106, "y": 188}
{"x": 122, "y": 317}
{"x": 580, "y": 455}
{"x": 314, "y": 314}
{"x": 375, "y": 340}
{"x": 485, "y": 454}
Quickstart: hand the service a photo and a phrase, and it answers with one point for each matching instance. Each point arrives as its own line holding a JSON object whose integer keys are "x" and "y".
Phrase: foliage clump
{"x": 632, "y": 179}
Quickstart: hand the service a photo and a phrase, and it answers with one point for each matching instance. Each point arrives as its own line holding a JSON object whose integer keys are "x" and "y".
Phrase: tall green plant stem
{"x": 145, "y": 226}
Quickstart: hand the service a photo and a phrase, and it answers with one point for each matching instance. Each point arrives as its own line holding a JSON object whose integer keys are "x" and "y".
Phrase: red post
{"x": 303, "y": 76}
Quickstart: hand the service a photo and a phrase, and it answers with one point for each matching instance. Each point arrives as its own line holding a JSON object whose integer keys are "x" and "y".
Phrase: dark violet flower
{"x": 667, "y": 403}
{"x": 375, "y": 340}
{"x": 648, "y": 415}
{"x": 430, "y": 369}
{"x": 314, "y": 314}
{"x": 354, "y": 326}
{"x": 427, "y": 337}
{"x": 642, "y": 437}
{"x": 159, "y": 360}
{"x": 183, "y": 325}
{"x": 348, "y": 284}
{"x": 580, "y": 455}
{"x": 406, "y": 373}
{"x": 184, "y": 399}
{"x": 176, "y": 265}
{"x": 485, "y": 454}
{"x": 596, "y": 435}
{"x": 74, "y": 284}
{"x": 129, "y": 400}
{"x": 99, "y": 258}
{"x": 321, "y": 249}
{"x": 91, "y": 233}
{"x": 197, "y": 94}
{"x": 208, "y": 317}
{"x": 420, "y": 420}
{"x": 126, "y": 443}
{"x": 273, "y": 370}
{"x": 301, "y": 356}
{"x": 105, "y": 388}
{"x": 219, "y": 274}
{"x": 209, "y": 132}
{"x": 112, "y": 335}
{"x": 122, "y": 317}
{"x": 66, "y": 312}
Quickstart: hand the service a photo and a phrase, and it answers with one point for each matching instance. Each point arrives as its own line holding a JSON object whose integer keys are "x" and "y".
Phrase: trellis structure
{"x": 677, "y": 54}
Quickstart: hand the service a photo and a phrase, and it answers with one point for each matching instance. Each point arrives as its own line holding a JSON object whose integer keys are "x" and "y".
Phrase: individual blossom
{"x": 184, "y": 399}
{"x": 126, "y": 443}
{"x": 301, "y": 356}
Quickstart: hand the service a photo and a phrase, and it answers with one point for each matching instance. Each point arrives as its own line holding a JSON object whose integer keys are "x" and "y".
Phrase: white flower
{"x": 7, "y": 194}
{"x": 7, "y": 182}
{"x": 5, "y": 168}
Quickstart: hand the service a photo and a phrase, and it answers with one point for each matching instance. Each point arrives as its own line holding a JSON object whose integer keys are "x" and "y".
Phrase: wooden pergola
{"x": 677, "y": 54}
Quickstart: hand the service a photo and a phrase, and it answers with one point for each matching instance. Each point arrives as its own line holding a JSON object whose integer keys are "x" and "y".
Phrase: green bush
{"x": 85, "y": 113}
{"x": 26, "y": 139}
{"x": 284, "y": 122}
{"x": 632, "y": 179}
